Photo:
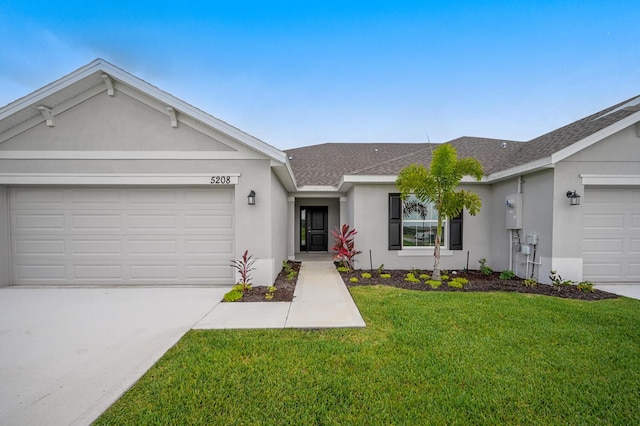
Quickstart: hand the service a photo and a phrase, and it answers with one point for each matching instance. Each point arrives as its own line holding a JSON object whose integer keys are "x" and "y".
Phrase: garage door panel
{"x": 39, "y": 247}
{"x": 211, "y": 222}
{"x": 93, "y": 247}
{"x": 32, "y": 274}
{"x": 30, "y": 197}
{"x": 95, "y": 222}
{"x": 154, "y": 271}
{"x": 209, "y": 247}
{"x": 97, "y": 272}
{"x": 27, "y": 223}
{"x": 151, "y": 221}
{"x": 204, "y": 271}
{"x": 153, "y": 247}
{"x": 611, "y": 234}
{"x": 607, "y": 246}
{"x": 603, "y": 221}
{"x": 206, "y": 196}
{"x": 122, "y": 235}
{"x": 90, "y": 197}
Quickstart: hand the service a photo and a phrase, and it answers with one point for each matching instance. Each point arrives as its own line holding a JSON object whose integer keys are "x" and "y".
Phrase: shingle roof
{"x": 326, "y": 164}
{"x": 552, "y": 142}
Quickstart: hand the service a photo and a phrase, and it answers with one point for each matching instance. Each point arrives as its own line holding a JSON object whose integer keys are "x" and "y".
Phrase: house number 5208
{"x": 220, "y": 180}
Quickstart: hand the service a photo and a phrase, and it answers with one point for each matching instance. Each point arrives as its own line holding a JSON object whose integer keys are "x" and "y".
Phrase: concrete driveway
{"x": 67, "y": 354}
{"x": 631, "y": 290}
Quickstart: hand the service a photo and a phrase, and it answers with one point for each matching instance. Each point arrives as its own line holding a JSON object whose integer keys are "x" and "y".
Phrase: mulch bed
{"x": 285, "y": 288}
{"x": 477, "y": 282}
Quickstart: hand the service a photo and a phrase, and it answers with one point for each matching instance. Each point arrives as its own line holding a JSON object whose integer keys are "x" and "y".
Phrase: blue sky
{"x": 296, "y": 73}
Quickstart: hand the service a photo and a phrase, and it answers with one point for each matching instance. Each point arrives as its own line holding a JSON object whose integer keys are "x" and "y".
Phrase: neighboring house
{"x": 105, "y": 179}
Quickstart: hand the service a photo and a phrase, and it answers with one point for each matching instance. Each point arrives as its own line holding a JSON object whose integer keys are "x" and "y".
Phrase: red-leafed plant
{"x": 244, "y": 266}
{"x": 345, "y": 245}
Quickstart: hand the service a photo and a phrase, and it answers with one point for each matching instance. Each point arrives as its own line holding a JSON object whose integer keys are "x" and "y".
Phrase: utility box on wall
{"x": 513, "y": 206}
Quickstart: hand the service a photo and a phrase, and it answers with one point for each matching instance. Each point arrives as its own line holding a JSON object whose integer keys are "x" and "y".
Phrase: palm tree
{"x": 439, "y": 185}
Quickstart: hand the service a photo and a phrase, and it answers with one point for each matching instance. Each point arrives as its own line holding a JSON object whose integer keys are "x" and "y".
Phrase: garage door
{"x": 611, "y": 234}
{"x": 146, "y": 236}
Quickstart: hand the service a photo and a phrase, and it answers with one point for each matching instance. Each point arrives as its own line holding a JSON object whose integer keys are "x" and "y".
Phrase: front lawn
{"x": 424, "y": 358}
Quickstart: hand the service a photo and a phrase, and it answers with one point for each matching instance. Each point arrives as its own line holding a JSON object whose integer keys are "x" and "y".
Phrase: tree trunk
{"x": 436, "y": 254}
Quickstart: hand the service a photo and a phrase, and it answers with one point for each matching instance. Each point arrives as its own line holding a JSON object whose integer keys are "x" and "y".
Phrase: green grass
{"x": 424, "y": 358}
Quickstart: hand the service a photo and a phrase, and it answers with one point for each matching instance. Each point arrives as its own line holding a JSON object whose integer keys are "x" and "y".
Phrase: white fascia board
{"x": 317, "y": 188}
{"x": 543, "y": 163}
{"x": 51, "y": 88}
{"x": 316, "y": 194}
{"x": 125, "y": 155}
{"x": 348, "y": 181}
{"x": 596, "y": 137}
{"x": 611, "y": 180}
{"x": 119, "y": 179}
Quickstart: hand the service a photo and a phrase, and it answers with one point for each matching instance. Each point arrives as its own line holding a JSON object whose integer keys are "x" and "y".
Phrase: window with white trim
{"x": 420, "y": 224}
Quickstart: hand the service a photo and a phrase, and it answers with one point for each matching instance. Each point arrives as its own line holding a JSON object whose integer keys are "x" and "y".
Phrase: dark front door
{"x": 313, "y": 228}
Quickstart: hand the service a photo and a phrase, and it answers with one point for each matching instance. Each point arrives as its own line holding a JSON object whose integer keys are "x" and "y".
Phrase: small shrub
{"x": 530, "y": 282}
{"x": 353, "y": 280}
{"x": 557, "y": 280}
{"x": 385, "y": 276}
{"x": 424, "y": 277}
{"x": 345, "y": 245}
{"x": 366, "y": 275}
{"x": 242, "y": 287}
{"x": 411, "y": 278}
{"x": 268, "y": 296}
{"x": 415, "y": 271}
{"x": 458, "y": 282}
{"x": 244, "y": 266}
{"x": 381, "y": 269}
{"x": 484, "y": 268}
{"x": 291, "y": 275}
{"x": 232, "y": 296}
{"x": 271, "y": 289}
{"x": 586, "y": 286}
{"x": 343, "y": 269}
{"x": 507, "y": 274}
{"x": 434, "y": 284}
{"x": 444, "y": 277}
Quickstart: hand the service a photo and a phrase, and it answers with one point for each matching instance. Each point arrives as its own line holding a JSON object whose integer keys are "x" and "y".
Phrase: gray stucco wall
{"x": 537, "y": 190}
{"x": 537, "y": 217}
{"x": 5, "y": 248}
{"x": 279, "y": 221}
{"x": 370, "y": 213}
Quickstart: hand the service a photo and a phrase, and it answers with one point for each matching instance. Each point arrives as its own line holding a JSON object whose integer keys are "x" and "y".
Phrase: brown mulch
{"x": 285, "y": 288}
{"x": 477, "y": 282}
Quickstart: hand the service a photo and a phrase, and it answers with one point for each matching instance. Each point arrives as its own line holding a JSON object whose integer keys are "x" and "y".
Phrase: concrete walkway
{"x": 321, "y": 300}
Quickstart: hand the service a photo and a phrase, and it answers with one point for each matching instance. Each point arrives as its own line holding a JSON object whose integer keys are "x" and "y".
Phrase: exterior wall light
{"x": 251, "y": 198}
{"x": 574, "y": 198}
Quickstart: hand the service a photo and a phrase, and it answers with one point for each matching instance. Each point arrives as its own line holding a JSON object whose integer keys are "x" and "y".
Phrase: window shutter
{"x": 455, "y": 232}
{"x": 395, "y": 222}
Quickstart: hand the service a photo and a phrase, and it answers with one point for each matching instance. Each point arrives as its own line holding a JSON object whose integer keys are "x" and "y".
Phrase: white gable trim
{"x": 119, "y": 75}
